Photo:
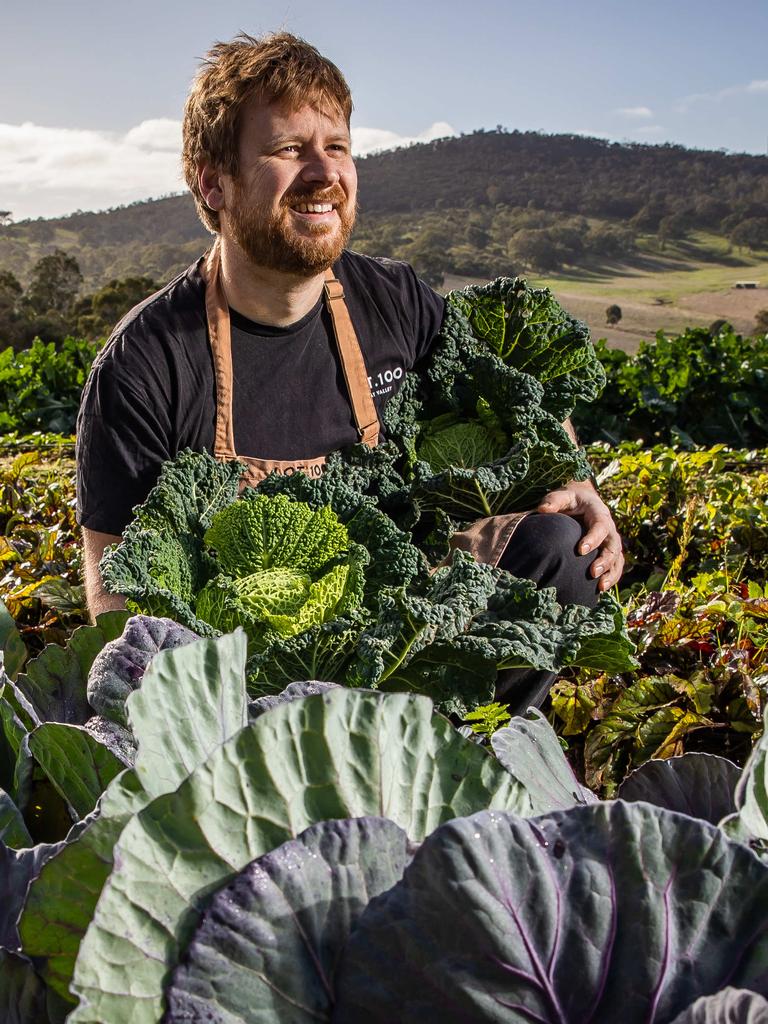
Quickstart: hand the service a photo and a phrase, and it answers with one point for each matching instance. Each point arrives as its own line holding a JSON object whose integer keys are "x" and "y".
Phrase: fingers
{"x": 609, "y": 562}
{"x": 600, "y": 528}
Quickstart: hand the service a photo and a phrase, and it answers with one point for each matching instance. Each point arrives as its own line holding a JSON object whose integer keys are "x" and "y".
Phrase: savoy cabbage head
{"x": 297, "y": 565}
{"x": 287, "y": 567}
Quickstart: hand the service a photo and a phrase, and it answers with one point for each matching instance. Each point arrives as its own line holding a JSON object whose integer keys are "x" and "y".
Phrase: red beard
{"x": 268, "y": 240}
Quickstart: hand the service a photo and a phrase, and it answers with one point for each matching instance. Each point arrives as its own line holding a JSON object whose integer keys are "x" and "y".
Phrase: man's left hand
{"x": 579, "y": 498}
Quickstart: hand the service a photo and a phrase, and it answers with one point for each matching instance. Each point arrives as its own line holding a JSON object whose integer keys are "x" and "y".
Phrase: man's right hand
{"x": 97, "y": 598}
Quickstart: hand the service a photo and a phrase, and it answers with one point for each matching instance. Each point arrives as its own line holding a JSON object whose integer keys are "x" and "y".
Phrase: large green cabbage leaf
{"x": 697, "y": 784}
{"x": 337, "y": 755}
{"x": 286, "y": 918}
{"x": 528, "y": 329}
{"x": 530, "y": 750}
{"x": 749, "y": 821}
{"x": 192, "y": 699}
{"x": 119, "y": 667}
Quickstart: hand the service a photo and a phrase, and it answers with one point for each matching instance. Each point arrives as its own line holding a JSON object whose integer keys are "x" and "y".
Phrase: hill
{"x": 580, "y": 212}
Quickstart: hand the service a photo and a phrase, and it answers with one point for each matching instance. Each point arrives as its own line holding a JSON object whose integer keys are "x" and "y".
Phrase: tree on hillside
{"x": 649, "y": 216}
{"x": 5, "y": 218}
{"x": 10, "y": 316}
{"x": 609, "y": 240}
{"x": 761, "y": 321}
{"x": 426, "y": 253}
{"x": 568, "y": 240}
{"x": 56, "y": 280}
{"x": 534, "y": 249}
{"x": 751, "y": 233}
{"x": 613, "y": 315}
{"x": 10, "y": 290}
{"x": 47, "y": 303}
{"x": 674, "y": 225}
{"x": 477, "y": 236}
{"x": 709, "y": 211}
{"x": 95, "y": 315}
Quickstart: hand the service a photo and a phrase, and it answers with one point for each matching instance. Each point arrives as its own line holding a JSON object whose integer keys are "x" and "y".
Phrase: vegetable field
{"x": 278, "y": 787}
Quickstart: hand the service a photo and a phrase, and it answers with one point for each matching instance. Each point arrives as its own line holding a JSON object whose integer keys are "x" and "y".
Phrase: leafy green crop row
{"x": 40, "y": 386}
{"x": 695, "y": 526}
{"x": 39, "y": 539}
{"x": 685, "y": 512}
{"x": 696, "y": 388}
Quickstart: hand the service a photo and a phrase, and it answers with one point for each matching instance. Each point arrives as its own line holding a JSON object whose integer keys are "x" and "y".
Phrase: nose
{"x": 321, "y": 167}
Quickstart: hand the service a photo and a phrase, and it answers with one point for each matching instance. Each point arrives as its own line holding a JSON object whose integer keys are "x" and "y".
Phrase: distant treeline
{"x": 474, "y": 205}
{"x": 50, "y": 308}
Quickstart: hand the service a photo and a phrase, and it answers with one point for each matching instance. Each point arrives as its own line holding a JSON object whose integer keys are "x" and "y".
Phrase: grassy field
{"x": 689, "y": 284}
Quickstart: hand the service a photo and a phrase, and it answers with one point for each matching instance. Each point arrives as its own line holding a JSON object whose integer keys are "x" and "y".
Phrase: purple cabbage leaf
{"x": 268, "y": 946}
{"x": 605, "y": 912}
{"x": 700, "y": 785}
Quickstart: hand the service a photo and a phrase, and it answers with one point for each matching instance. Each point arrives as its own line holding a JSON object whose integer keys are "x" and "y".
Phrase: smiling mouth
{"x": 313, "y": 207}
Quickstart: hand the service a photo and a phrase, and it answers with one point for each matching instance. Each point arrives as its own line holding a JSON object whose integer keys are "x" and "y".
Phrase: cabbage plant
{"x": 322, "y": 835}
{"x": 478, "y": 431}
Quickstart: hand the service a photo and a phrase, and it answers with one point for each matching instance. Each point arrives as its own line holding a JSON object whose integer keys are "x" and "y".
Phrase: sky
{"x": 91, "y": 93}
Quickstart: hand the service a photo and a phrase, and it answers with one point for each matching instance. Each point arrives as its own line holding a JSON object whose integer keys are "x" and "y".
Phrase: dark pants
{"x": 543, "y": 549}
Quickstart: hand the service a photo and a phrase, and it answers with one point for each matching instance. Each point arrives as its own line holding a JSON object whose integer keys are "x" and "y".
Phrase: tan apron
{"x": 485, "y": 540}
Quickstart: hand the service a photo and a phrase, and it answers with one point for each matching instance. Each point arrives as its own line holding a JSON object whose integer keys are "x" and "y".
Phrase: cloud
{"x": 756, "y": 86}
{"x": 161, "y": 133}
{"x": 373, "y": 140}
{"x": 639, "y": 112}
{"x": 49, "y": 172}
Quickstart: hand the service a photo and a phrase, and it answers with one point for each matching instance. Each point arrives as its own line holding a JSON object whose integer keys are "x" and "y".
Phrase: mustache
{"x": 335, "y": 195}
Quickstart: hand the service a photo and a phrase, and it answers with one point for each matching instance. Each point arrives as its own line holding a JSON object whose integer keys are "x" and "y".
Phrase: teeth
{"x": 313, "y": 207}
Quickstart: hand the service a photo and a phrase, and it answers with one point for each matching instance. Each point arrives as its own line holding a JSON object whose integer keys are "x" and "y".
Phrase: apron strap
{"x": 355, "y": 372}
{"x": 217, "y": 314}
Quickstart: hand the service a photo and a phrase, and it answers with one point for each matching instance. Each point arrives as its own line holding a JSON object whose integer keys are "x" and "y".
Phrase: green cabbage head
{"x": 286, "y": 567}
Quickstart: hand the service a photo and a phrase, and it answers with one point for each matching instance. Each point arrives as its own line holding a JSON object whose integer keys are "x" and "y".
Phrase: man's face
{"x": 292, "y": 206}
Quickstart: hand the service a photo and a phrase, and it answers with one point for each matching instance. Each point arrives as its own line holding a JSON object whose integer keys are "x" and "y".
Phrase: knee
{"x": 544, "y": 549}
{"x": 551, "y": 537}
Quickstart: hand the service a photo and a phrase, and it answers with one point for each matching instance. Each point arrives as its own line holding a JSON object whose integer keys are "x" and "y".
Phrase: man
{"x": 256, "y": 351}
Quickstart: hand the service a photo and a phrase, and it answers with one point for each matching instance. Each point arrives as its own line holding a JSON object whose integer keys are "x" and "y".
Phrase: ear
{"x": 209, "y": 180}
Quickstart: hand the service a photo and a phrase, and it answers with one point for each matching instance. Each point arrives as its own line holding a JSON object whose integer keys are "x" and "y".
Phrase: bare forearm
{"x": 97, "y": 598}
{"x": 571, "y": 431}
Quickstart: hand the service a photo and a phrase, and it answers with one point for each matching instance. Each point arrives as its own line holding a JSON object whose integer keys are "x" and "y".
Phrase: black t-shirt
{"x": 152, "y": 392}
